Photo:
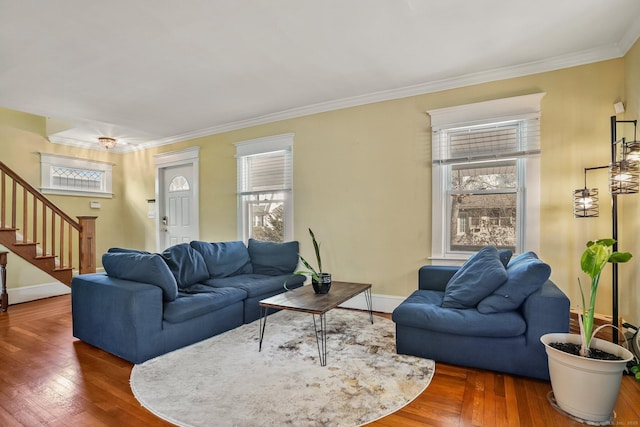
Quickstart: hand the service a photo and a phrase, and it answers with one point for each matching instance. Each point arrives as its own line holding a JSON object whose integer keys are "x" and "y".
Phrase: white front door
{"x": 177, "y": 213}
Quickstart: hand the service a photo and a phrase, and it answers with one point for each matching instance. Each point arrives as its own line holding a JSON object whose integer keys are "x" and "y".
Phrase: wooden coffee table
{"x": 304, "y": 299}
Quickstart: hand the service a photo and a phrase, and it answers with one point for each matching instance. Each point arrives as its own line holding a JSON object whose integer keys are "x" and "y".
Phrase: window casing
{"x": 265, "y": 188}
{"x": 71, "y": 176}
{"x": 485, "y": 177}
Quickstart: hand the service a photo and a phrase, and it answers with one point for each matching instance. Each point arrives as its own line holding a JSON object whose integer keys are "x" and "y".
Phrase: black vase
{"x": 322, "y": 286}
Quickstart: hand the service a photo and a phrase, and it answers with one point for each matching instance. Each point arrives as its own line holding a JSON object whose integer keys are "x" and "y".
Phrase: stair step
{"x": 25, "y": 244}
{"x": 8, "y": 229}
{"x": 45, "y": 256}
{"x": 63, "y": 269}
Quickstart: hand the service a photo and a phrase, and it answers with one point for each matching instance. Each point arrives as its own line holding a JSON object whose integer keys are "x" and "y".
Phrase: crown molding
{"x": 630, "y": 36}
{"x": 601, "y": 53}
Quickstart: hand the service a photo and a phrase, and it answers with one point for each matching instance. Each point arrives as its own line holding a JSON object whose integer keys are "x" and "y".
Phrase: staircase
{"x": 32, "y": 227}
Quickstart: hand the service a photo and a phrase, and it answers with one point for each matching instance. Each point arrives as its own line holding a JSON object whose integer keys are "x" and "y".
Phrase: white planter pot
{"x": 585, "y": 388}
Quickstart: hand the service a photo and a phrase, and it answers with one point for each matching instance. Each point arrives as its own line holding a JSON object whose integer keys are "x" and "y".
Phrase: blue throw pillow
{"x": 526, "y": 274}
{"x": 273, "y": 259}
{"x": 186, "y": 264}
{"x": 505, "y": 255}
{"x": 478, "y": 277}
{"x": 224, "y": 259}
{"x": 140, "y": 267}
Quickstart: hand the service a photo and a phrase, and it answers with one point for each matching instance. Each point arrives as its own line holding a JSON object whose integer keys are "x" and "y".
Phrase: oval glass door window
{"x": 179, "y": 183}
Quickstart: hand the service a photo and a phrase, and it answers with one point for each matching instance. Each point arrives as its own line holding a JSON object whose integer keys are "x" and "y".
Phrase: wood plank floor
{"x": 47, "y": 377}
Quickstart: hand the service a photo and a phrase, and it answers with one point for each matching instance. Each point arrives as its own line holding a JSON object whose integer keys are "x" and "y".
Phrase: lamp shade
{"x": 623, "y": 177}
{"x": 632, "y": 151}
{"x": 585, "y": 203}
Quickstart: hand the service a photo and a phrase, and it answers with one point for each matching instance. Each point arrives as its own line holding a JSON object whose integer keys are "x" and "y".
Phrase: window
{"x": 265, "y": 206}
{"x": 78, "y": 177}
{"x": 483, "y": 205}
{"x": 179, "y": 183}
{"x": 486, "y": 177}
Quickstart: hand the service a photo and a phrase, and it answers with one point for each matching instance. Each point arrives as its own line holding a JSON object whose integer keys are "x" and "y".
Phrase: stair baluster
{"x": 56, "y": 240}
{"x": 4, "y": 296}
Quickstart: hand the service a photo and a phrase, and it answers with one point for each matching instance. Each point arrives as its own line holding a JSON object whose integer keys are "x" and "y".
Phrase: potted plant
{"x": 585, "y": 371}
{"x": 320, "y": 281}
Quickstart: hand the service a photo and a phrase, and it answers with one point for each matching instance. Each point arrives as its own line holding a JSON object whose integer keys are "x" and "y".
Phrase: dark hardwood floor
{"x": 49, "y": 378}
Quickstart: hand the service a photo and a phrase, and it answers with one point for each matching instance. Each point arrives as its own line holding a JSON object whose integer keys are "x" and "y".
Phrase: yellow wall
{"x": 362, "y": 176}
{"x": 22, "y": 139}
{"x": 628, "y": 205}
{"x": 362, "y": 179}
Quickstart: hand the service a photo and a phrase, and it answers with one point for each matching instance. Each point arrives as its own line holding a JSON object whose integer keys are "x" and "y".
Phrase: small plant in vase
{"x": 592, "y": 262}
{"x": 586, "y": 372}
{"x": 320, "y": 281}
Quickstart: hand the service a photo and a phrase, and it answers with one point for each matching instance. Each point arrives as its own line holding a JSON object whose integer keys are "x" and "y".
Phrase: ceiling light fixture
{"x": 106, "y": 142}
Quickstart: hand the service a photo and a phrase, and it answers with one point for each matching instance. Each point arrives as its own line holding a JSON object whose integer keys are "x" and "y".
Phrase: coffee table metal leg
{"x": 321, "y": 340}
{"x": 367, "y": 296}
{"x": 263, "y": 323}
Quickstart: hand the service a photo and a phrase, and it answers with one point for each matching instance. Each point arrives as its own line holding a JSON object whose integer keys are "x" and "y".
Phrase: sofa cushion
{"x": 423, "y": 310}
{"x": 141, "y": 267}
{"x": 224, "y": 259}
{"x": 478, "y": 277}
{"x": 127, "y": 251}
{"x": 257, "y": 284}
{"x": 273, "y": 259}
{"x": 189, "y": 306}
{"x": 525, "y": 275}
{"x": 186, "y": 264}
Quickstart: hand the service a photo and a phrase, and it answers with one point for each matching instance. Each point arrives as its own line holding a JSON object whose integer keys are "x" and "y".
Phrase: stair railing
{"x": 40, "y": 223}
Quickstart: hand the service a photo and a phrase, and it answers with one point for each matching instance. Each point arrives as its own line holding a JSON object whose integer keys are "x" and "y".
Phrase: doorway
{"x": 177, "y": 197}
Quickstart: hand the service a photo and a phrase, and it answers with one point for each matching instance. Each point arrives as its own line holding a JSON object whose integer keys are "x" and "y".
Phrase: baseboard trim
{"x": 381, "y": 303}
{"x": 35, "y": 292}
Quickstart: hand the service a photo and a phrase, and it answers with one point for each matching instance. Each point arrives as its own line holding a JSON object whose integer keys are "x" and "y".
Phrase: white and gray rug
{"x": 225, "y": 381}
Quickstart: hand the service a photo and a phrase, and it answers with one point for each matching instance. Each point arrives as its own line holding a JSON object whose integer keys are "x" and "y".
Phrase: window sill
{"x": 448, "y": 260}
{"x": 60, "y": 192}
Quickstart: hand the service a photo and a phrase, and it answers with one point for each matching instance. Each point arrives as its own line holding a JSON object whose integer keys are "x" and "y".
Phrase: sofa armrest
{"x": 435, "y": 277}
{"x": 116, "y": 315}
{"x": 546, "y": 311}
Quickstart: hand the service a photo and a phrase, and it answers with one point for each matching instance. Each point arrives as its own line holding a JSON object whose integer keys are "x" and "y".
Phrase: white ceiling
{"x": 151, "y": 72}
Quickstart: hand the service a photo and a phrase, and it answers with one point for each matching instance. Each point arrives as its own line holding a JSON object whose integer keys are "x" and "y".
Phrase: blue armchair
{"x": 500, "y": 333}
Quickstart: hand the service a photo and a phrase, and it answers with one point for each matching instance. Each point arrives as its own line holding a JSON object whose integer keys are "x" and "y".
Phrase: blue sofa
{"x": 489, "y": 314}
{"x": 146, "y": 304}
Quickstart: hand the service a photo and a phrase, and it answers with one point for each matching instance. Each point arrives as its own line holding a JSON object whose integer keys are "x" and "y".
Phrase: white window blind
{"x": 265, "y": 173}
{"x": 508, "y": 139}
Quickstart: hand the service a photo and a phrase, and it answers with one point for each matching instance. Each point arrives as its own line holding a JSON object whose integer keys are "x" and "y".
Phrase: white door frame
{"x": 186, "y": 157}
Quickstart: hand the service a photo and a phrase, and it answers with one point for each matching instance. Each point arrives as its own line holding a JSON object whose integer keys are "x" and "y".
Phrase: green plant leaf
{"x": 316, "y": 247}
{"x": 311, "y": 271}
{"x": 620, "y": 257}
{"x": 594, "y": 258}
{"x": 605, "y": 242}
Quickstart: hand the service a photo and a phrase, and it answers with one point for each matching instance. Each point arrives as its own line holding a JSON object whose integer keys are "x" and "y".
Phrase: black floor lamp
{"x": 623, "y": 179}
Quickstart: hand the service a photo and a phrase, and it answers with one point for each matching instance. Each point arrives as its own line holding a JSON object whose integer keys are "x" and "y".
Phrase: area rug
{"x": 225, "y": 381}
